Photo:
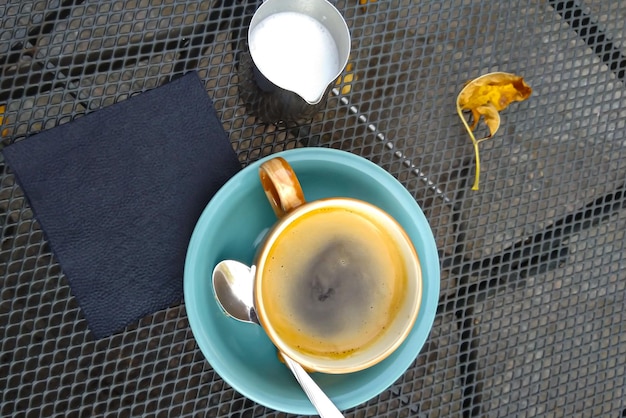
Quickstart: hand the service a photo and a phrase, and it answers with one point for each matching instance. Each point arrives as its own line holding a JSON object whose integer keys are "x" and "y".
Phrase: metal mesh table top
{"x": 531, "y": 315}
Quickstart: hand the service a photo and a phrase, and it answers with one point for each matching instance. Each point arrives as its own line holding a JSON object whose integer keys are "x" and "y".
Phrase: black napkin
{"x": 118, "y": 192}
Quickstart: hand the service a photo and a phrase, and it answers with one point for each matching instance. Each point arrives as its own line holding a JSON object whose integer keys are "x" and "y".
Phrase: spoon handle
{"x": 325, "y": 407}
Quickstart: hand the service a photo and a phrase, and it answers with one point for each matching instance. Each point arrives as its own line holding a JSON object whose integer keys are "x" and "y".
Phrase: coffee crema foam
{"x": 332, "y": 281}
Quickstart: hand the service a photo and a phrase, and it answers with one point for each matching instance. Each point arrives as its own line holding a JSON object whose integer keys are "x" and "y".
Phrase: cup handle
{"x": 281, "y": 186}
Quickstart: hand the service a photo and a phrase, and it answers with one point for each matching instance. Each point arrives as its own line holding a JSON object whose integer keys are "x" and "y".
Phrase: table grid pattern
{"x": 531, "y": 315}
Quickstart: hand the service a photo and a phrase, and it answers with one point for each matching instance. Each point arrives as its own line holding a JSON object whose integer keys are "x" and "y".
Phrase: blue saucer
{"x": 232, "y": 226}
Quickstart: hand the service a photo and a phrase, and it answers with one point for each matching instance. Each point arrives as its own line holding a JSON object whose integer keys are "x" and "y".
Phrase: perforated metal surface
{"x": 531, "y": 317}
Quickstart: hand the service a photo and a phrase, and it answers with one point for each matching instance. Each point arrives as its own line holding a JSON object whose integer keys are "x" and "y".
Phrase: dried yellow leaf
{"x": 5, "y": 131}
{"x": 364, "y": 3}
{"x": 347, "y": 79}
{"x": 485, "y": 97}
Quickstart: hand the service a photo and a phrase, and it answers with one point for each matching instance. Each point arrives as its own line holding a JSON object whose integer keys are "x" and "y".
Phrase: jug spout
{"x": 312, "y": 97}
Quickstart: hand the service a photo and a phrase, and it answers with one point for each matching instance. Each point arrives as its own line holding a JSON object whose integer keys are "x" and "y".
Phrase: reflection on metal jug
{"x": 296, "y": 50}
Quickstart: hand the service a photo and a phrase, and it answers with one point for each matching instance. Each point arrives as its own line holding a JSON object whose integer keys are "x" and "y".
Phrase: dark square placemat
{"x": 118, "y": 192}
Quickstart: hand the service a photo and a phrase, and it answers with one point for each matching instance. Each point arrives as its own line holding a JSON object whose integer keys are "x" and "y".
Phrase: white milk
{"x": 295, "y": 52}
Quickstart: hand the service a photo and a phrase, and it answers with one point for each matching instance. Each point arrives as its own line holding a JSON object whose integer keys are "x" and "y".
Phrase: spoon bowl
{"x": 233, "y": 284}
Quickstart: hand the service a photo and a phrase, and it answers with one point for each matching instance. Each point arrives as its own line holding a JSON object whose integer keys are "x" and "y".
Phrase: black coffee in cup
{"x": 334, "y": 279}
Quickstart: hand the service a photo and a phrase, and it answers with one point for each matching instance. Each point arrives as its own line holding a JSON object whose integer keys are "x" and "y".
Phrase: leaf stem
{"x": 474, "y": 143}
